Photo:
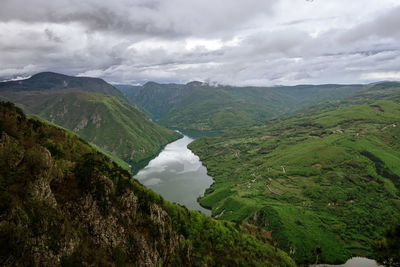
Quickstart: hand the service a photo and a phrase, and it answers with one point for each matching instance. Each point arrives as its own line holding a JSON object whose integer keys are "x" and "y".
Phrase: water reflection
{"x": 354, "y": 262}
{"x": 178, "y": 175}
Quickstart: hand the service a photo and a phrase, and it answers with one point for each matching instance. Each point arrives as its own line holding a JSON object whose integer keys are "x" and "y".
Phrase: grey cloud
{"x": 140, "y": 40}
{"x": 51, "y": 36}
{"x": 314, "y": 20}
{"x": 386, "y": 26}
{"x": 162, "y": 18}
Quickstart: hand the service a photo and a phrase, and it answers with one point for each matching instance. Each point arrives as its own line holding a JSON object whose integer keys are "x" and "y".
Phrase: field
{"x": 329, "y": 180}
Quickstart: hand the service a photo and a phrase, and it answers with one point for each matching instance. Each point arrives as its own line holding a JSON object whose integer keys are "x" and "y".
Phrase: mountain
{"x": 200, "y": 106}
{"x": 156, "y": 98}
{"x": 94, "y": 110}
{"x": 372, "y": 92}
{"x": 129, "y": 90}
{"x": 50, "y": 81}
{"x": 65, "y": 204}
{"x": 328, "y": 180}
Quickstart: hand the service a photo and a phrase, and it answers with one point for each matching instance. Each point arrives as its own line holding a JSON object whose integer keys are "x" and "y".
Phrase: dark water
{"x": 178, "y": 175}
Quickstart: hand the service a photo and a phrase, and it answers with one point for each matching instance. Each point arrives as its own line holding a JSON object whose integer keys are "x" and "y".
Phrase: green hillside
{"x": 155, "y": 98}
{"x": 199, "y": 106}
{"x": 65, "y": 204}
{"x": 373, "y": 92}
{"x": 105, "y": 120}
{"x": 329, "y": 180}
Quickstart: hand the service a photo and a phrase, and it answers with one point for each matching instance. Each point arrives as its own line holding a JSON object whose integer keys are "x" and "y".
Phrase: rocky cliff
{"x": 64, "y": 203}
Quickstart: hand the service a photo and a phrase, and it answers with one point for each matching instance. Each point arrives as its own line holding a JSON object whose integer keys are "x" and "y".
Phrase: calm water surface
{"x": 354, "y": 262}
{"x": 178, "y": 175}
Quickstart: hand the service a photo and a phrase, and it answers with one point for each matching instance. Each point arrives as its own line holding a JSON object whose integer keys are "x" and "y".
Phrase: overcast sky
{"x": 236, "y": 42}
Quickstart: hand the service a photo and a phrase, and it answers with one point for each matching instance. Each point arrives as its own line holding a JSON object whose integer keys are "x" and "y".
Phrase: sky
{"x": 230, "y": 42}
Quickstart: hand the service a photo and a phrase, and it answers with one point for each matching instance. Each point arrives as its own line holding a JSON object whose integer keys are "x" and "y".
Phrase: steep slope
{"x": 211, "y": 108}
{"x": 199, "y": 106}
{"x": 97, "y": 114}
{"x": 158, "y": 99}
{"x": 129, "y": 90}
{"x": 329, "y": 180}
{"x": 64, "y": 203}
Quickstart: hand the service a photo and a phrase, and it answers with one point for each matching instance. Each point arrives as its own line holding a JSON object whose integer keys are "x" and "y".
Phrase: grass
{"x": 328, "y": 180}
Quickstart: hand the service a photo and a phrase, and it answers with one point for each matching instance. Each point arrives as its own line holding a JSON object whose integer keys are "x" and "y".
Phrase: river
{"x": 354, "y": 262}
{"x": 178, "y": 175}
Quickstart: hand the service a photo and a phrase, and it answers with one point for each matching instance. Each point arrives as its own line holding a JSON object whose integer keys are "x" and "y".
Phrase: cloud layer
{"x": 253, "y": 42}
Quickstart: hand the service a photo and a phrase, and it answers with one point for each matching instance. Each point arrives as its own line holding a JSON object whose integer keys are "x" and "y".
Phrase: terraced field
{"x": 329, "y": 180}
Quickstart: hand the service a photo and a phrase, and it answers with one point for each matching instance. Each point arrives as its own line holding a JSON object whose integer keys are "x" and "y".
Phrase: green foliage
{"x": 198, "y": 106}
{"x": 327, "y": 180}
{"x": 45, "y": 210}
{"x": 119, "y": 256}
{"x": 387, "y": 251}
{"x": 94, "y": 110}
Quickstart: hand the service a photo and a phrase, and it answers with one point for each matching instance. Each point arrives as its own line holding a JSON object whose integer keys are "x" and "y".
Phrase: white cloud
{"x": 255, "y": 42}
{"x": 390, "y": 75}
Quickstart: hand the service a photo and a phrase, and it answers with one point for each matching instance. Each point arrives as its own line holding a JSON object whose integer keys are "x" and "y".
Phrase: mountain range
{"x": 311, "y": 170}
{"x": 200, "y": 106}
{"x": 93, "y": 109}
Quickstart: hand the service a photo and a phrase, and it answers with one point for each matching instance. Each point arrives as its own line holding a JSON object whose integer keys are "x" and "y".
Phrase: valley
{"x": 64, "y": 203}
{"x": 314, "y": 179}
{"x": 327, "y": 180}
{"x": 203, "y": 107}
{"x": 171, "y": 133}
{"x": 320, "y": 173}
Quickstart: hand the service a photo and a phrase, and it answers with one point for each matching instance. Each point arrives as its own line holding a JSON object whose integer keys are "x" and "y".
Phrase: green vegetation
{"x": 371, "y": 93}
{"x": 103, "y": 118}
{"x": 199, "y": 106}
{"x": 64, "y": 203}
{"x": 387, "y": 251}
{"x": 329, "y": 180}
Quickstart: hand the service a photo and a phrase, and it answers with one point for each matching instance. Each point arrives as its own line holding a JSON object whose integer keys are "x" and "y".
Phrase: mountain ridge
{"x": 95, "y": 110}
{"x": 56, "y": 81}
{"x": 200, "y": 106}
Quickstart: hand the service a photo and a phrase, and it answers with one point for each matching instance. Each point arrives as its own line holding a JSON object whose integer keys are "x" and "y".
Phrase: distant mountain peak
{"x": 150, "y": 83}
{"x": 196, "y": 83}
{"x": 52, "y": 81}
{"x": 48, "y": 73}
